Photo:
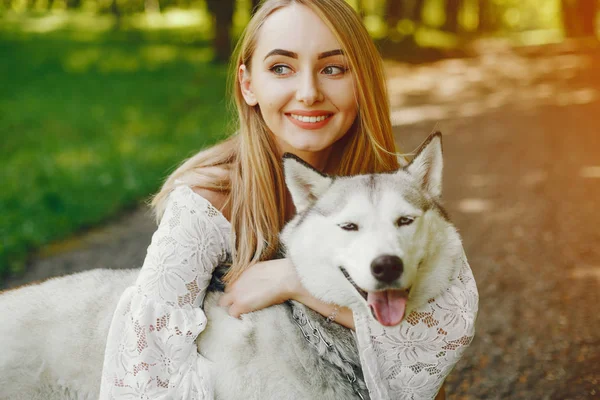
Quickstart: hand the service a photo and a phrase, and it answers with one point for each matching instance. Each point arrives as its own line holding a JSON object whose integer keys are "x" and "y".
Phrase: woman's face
{"x": 300, "y": 80}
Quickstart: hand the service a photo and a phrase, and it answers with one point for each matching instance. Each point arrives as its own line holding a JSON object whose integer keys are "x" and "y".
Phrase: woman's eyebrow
{"x": 336, "y": 52}
{"x": 291, "y": 54}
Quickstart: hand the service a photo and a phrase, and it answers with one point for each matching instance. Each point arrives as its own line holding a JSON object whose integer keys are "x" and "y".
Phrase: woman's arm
{"x": 273, "y": 282}
{"x": 150, "y": 350}
{"x": 343, "y": 316}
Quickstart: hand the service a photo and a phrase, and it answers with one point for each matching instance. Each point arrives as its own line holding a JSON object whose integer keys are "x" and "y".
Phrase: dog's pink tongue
{"x": 388, "y": 305}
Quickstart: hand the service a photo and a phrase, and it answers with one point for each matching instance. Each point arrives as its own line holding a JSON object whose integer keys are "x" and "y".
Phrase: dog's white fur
{"x": 52, "y": 335}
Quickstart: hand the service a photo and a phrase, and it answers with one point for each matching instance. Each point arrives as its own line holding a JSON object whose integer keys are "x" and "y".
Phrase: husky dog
{"x": 378, "y": 244}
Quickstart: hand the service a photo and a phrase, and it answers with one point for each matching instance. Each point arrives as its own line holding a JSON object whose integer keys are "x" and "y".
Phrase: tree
{"x": 394, "y": 12}
{"x": 417, "y": 11}
{"x": 116, "y": 12}
{"x": 73, "y": 4}
{"x": 222, "y": 10}
{"x": 488, "y": 20}
{"x": 452, "y": 7}
{"x": 579, "y": 17}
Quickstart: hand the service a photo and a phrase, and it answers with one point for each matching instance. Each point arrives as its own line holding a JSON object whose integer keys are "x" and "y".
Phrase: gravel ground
{"x": 522, "y": 182}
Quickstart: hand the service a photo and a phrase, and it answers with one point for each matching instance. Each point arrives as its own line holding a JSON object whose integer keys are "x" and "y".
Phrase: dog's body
{"x": 378, "y": 242}
{"x": 53, "y": 335}
{"x": 266, "y": 355}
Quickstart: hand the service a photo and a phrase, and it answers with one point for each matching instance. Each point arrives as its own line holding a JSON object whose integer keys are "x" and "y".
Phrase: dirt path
{"x": 522, "y": 182}
{"x": 118, "y": 244}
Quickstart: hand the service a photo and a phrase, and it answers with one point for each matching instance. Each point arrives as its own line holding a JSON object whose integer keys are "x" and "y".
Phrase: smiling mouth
{"x": 310, "y": 119}
{"x": 360, "y": 291}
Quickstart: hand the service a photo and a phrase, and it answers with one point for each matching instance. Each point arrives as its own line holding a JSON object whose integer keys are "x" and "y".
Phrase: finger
{"x": 234, "y": 311}
{"x": 226, "y": 300}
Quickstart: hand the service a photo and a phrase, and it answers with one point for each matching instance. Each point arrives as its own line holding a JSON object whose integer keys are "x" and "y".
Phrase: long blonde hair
{"x": 254, "y": 183}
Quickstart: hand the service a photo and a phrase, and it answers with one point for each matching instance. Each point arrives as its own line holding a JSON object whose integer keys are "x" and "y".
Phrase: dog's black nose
{"x": 387, "y": 268}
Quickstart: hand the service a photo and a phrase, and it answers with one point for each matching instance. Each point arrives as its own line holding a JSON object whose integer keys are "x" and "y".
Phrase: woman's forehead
{"x": 295, "y": 28}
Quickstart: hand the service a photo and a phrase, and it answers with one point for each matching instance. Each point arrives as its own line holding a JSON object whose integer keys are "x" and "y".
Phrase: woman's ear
{"x": 246, "y": 85}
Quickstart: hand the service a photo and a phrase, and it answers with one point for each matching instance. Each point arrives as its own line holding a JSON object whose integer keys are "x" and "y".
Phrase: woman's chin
{"x": 307, "y": 148}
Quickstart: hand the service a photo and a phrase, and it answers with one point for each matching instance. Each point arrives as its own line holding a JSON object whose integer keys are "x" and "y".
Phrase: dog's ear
{"x": 427, "y": 165}
{"x": 304, "y": 182}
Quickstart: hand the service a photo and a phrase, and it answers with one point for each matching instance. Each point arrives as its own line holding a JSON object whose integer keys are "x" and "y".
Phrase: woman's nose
{"x": 308, "y": 92}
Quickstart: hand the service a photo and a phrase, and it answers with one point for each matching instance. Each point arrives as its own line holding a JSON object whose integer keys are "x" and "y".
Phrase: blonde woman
{"x": 309, "y": 81}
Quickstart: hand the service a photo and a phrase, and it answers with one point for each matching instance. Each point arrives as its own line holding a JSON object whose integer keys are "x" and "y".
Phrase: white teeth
{"x": 302, "y": 118}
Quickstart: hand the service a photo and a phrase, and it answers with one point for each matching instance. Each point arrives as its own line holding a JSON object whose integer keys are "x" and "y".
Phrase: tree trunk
{"x": 587, "y": 11}
{"x": 451, "y": 23}
{"x": 569, "y": 18}
{"x": 394, "y": 11}
{"x": 417, "y": 11}
{"x": 487, "y": 19}
{"x": 116, "y": 12}
{"x": 73, "y": 4}
{"x": 579, "y": 17}
{"x": 222, "y": 11}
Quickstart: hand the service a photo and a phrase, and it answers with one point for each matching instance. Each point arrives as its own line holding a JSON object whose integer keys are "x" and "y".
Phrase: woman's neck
{"x": 316, "y": 159}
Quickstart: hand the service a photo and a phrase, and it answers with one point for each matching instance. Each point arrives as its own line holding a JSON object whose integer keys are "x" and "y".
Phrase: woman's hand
{"x": 272, "y": 282}
{"x": 264, "y": 284}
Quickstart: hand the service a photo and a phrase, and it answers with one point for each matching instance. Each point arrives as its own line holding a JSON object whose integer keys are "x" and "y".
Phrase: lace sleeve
{"x": 412, "y": 360}
{"x": 150, "y": 351}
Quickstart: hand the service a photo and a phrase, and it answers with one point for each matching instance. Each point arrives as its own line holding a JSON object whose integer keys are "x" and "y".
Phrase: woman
{"x": 308, "y": 81}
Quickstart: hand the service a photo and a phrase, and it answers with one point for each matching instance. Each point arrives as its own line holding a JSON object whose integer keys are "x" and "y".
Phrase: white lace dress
{"x": 151, "y": 351}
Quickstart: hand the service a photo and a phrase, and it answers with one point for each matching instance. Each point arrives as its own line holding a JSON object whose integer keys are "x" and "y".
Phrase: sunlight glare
{"x": 48, "y": 23}
{"x": 412, "y": 115}
{"x": 531, "y": 178}
{"x": 474, "y": 205}
{"x": 586, "y": 272}
{"x": 592, "y": 171}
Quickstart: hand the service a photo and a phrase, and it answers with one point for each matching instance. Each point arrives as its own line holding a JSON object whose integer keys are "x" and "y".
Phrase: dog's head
{"x": 371, "y": 240}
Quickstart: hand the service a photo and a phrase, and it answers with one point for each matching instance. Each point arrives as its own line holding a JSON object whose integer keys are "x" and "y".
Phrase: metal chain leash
{"x": 314, "y": 336}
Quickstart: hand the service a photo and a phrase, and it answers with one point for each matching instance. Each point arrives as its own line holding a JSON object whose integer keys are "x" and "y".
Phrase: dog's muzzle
{"x": 358, "y": 289}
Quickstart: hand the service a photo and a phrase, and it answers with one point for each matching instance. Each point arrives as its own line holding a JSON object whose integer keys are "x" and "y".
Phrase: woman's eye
{"x": 280, "y": 69}
{"x": 334, "y": 70}
{"x": 349, "y": 226}
{"x": 404, "y": 221}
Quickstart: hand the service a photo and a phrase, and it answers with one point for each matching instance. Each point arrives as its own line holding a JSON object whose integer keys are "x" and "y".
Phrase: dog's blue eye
{"x": 404, "y": 221}
{"x": 349, "y": 226}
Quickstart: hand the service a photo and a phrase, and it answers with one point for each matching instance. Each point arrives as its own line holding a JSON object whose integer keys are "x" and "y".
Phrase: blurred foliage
{"x": 99, "y": 99}
{"x": 92, "y": 120}
{"x": 442, "y": 23}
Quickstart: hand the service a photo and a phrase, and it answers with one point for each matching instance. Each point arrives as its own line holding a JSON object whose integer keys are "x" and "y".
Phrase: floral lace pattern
{"x": 151, "y": 351}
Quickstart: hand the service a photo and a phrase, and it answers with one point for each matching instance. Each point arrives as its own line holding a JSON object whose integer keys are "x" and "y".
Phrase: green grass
{"x": 92, "y": 120}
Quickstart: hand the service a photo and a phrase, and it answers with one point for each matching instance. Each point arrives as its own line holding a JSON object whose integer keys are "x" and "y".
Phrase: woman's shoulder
{"x": 217, "y": 198}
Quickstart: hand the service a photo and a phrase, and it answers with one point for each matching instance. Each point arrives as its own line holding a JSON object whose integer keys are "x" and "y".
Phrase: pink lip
{"x": 309, "y": 125}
